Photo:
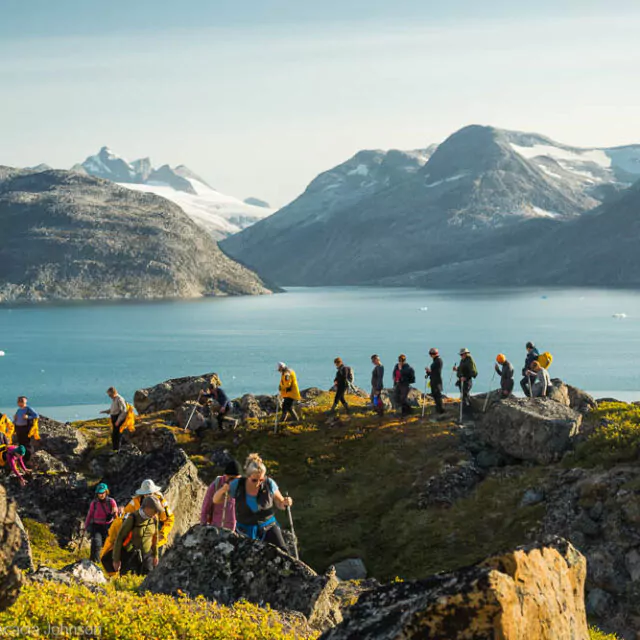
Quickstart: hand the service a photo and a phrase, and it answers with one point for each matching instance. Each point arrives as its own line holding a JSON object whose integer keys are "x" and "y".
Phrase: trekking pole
{"x": 486, "y": 400}
{"x": 461, "y": 399}
{"x": 424, "y": 397}
{"x": 530, "y": 391}
{"x": 275, "y": 428}
{"x": 293, "y": 531}
{"x": 186, "y": 426}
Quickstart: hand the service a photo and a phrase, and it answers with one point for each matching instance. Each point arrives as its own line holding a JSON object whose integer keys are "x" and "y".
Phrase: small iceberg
{"x": 618, "y": 316}
{"x": 1, "y": 354}
{"x": 424, "y": 309}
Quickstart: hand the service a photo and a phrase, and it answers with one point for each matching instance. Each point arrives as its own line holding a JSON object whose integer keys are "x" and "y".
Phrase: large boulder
{"x": 10, "y": 542}
{"x": 533, "y": 429}
{"x": 223, "y": 566}
{"x": 191, "y": 414}
{"x": 535, "y": 592}
{"x": 82, "y": 572}
{"x": 170, "y": 394}
{"x": 414, "y": 399}
{"x": 62, "y": 440}
{"x": 573, "y": 397}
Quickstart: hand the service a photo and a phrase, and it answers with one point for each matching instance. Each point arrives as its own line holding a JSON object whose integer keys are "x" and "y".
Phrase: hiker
{"x": 13, "y": 455}
{"x": 527, "y": 380}
{"x": 341, "y": 384}
{"x": 25, "y": 421}
{"x": 377, "y": 384}
{"x": 466, "y": 372}
{"x": 434, "y": 372}
{"x": 403, "y": 377}
{"x": 135, "y": 549}
{"x": 118, "y": 414}
{"x": 541, "y": 381}
{"x": 288, "y": 391}
{"x": 215, "y": 513}
{"x": 7, "y": 427}
{"x": 256, "y": 497}
{"x": 225, "y": 407}
{"x": 166, "y": 518}
{"x": 102, "y": 512}
{"x": 506, "y": 371}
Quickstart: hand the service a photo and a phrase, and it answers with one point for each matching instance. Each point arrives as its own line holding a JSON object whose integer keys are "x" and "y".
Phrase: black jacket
{"x": 405, "y": 374}
{"x": 532, "y": 356}
{"x": 436, "y": 371}
{"x": 341, "y": 378}
{"x": 377, "y": 378}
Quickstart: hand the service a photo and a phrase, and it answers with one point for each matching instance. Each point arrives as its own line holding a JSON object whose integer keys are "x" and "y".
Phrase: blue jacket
{"x": 23, "y": 416}
{"x": 532, "y": 356}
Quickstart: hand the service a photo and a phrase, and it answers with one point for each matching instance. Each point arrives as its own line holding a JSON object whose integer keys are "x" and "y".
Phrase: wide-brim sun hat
{"x": 148, "y": 487}
{"x": 281, "y": 365}
{"x": 464, "y": 351}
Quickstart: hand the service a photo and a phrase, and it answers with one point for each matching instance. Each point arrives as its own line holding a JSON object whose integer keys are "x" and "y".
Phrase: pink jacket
{"x": 212, "y": 513}
{"x": 15, "y": 460}
{"x": 101, "y": 512}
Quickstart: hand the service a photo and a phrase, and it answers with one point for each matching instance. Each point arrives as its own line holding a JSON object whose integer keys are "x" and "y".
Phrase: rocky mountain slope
{"x": 70, "y": 236}
{"x": 480, "y": 193}
{"x": 221, "y": 215}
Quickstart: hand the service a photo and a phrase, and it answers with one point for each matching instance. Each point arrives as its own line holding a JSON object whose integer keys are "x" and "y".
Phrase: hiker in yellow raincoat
{"x": 289, "y": 391}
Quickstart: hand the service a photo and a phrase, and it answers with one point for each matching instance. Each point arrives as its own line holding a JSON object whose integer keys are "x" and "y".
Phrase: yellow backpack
{"x": 130, "y": 421}
{"x": 7, "y": 427}
{"x": 545, "y": 359}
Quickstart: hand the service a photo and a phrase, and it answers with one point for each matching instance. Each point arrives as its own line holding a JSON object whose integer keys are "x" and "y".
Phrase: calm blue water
{"x": 64, "y": 357}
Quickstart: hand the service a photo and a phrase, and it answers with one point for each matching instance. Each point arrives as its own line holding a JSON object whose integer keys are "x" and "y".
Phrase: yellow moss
{"x": 45, "y": 548}
{"x": 596, "y": 634}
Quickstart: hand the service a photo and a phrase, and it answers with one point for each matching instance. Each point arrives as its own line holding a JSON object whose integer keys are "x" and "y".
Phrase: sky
{"x": 260, "y": 96}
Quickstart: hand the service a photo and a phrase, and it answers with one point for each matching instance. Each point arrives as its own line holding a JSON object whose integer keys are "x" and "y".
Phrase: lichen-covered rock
{"x": 535, "y": 429}
{"x": 191, "y": 415}
{"x": 86, "y": 572}
{"x": 533, "y": 593}
{"x": 10, "y": 542}
{"x": 573, "y": 397}
{"x": 414, "y": 398}
{"x": 223, "y": 566}
{"x": 43, "y": 461}
{"x": 171, "y": 394}
{"x": 452, "y": 483}
{"x": 24, "y": 557}
{"x": 62, "y": 440}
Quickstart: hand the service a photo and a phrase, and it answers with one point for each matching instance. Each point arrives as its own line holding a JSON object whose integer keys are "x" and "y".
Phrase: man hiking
{"x": 466, "y": 372}
{"x": 341, "y": 383}
{"x": 403, "y": 377}
{"x": 117, "y": 413}
{"x": 434, "y": 372}
{"x": 221, "y": 515}
{"x": 225, "y": 407}
{"x": 289, "y": 392}
{"x": 102, "y": 512}
{"x": 528, "y": 375}
{"x": 377, "y": 385}
{"x": 25, "y": 423}
{"x": 541, "y": 380}
{"x": 506, "y": 372}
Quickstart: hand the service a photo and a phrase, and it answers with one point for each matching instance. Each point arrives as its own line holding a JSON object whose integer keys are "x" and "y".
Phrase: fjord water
{"x": 64, "y": 357}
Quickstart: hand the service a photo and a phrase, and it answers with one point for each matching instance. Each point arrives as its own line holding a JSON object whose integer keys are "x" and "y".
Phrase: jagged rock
{"x": 47, "y": 574}
{"x": 535, "y": 592}
{"x": 86, "y": 572}
{"x": 43, "y": 461}
{"x": 538, "y": 430}
{"x": 23, "y": 558}
{"x": 11, "y": 578}
{"x": 250, "y": 408}
{"x": 348, "y": 592}
{"x": 225, "y": 567}
{"x": 149, "y": 438}
{"x": 350, "y": 569}
{"x": 62, "y": 441}
{"x": 451, "y": 484}
{"x": 558, "y": 392}
{"x": 191, "y": 413}
{"x": 169, "y": 395}
{"x": 311, "y": 393}
{"x": 573, "y": 397}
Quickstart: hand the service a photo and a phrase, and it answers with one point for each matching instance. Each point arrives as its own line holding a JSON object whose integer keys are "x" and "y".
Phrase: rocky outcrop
{"x": 414, "y": 399}
{"x": 535, "y": 592}
{"x": 452, "y": 483}
{"x": 82, "y": 572}
{"x": 191, "y": 415}
{"x": 10, "y": 542}
{"x": 62, "y": 440}
{"x": 222, "y": 566}
{"x": 171, "y": 394}
{"x": 537, "y": 430}
{"x": 573, "y": 397}
{"x": 23, "y": 558}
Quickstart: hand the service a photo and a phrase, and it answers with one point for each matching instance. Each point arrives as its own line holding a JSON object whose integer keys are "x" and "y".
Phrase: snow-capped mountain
{"x": 219, "y": 214}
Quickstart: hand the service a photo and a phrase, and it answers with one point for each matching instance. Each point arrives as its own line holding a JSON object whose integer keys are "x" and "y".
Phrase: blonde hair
{"x": 253, "y": 464}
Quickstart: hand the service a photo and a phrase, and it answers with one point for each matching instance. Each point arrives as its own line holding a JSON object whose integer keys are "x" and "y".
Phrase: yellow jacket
{"x": 7, "y": 427}
{"x": 130, "y": 421}
{"x": 114, "y": 529}
{"x": 165, "y": 517}
{"x": 289, "y": 385}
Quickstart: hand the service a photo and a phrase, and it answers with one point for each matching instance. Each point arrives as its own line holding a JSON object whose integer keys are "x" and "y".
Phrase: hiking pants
{"x": 274, "y": 536}
{"x": 340, "y": 392}
{"x": 402, "y": 393}
{"x": 133, "y": 561}
{"x": 524, "y": 383}
{"x": 288, "y": 408}
{"x": 115, "y": 433}
{"x": 222, "y": 414}
{"x": 466, "y": 397}
{"x": 22, "y": 435}
{"x": 436, "y": 394}
{"x": 506, "y": 388}
{"x": 98, "y": 536}
{"x": 379, "y": 407}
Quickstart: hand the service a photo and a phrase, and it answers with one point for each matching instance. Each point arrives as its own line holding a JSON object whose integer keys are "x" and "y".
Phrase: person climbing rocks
{"x": 466, "y": 371}
{"x": 135, "y": 549}
{"x": 7, "y": 427}
{"x": 102, "y": 512}
{"x": 256, "y": 497}
{"x": 117, "y": 413}
{"x": 215, "y": 513}
{"x": 528, "y": 375}
{"x": 13, "y": 455}
{"x": 403, "y": 377}
{"x": 166, "y": 518}
{"x": 377, "y": 384}
{"x": 341, "y": 384}
{"x": 541, "y": 382}
{"x": 288, "y": 391}
{"x": 25, "y": 421}
{"x": 218, "y": 395}
{"x": 506, "y": 372}
{"x": 434, "y": 373}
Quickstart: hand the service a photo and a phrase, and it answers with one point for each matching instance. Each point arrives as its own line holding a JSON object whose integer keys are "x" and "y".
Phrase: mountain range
{"x": 480, "y": 208}
{"x": 219, "y": 214}
{"x": 75, "y": 237}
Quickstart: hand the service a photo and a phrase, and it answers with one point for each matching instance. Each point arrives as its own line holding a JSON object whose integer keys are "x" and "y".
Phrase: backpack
{"x": 411, "y": 375}
{"x": 545, "y": 359}
{"x": 348, "y": 372}
{"x": 474, "y": 369}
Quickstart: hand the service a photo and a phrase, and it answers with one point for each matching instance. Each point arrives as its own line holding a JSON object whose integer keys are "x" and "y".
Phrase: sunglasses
{"x": 256, "y": 480}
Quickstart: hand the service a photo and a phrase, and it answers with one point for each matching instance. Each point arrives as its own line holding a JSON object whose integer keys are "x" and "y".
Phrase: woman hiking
{"x": 216, "y": 513}
{"x": 102, "y": 512}
{"x": 256, "y": 498}
{"x": 14, "y": 457}
{"x": 25, "y": 421}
